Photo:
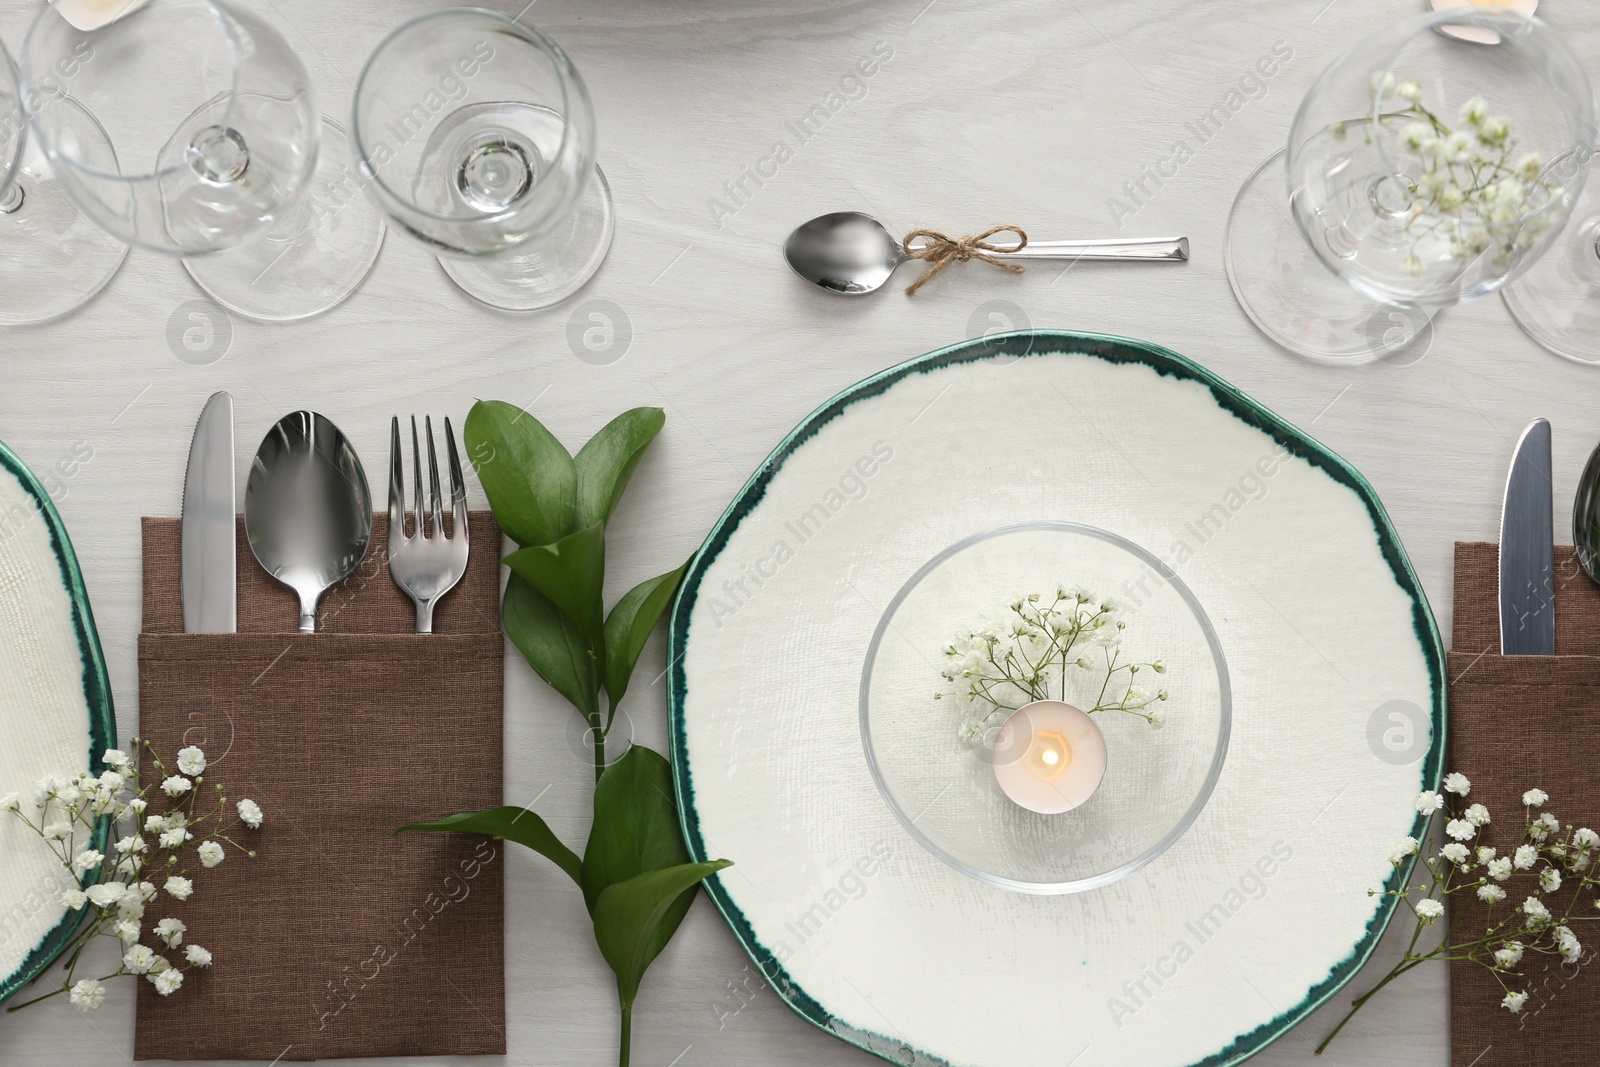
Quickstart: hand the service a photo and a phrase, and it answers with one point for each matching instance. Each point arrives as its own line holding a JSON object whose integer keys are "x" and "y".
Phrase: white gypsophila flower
{"x": 1513, "y": 1002}
{"x": 117, "y": 760}
{"x": 87, "y": 994}
{"x": 74, "y": 899}
{"x": 197, "y": 956}
{"x": 11, "y": 802}
{"x": 1477, "y": 815}
{"x": 1460, "y": 829}
{"x": 1549, "y": 821}
{"x": 137, "y": 805}
{"x": 1494, "y": 132}
{"x": 171, "y": 931}
{"x": 250, "y": 814}
{"x": 174, "y": 837}
{"x": 1508, "y": 956}
{"x": 1429, "y": 802}
{"x": 1534, "y": 798}
{"x": 1525, "y": 857}
{"x": 139, "y": 959}
{"x": 155, "y": 824}
{"x": 1457, "y": 783}
{"x": 1474, "y": 111}
{"x": 1549, "y": 879}
{"x": 131, "y": 906}
{"x": 1455, "y": 852}
{"x": 105, "y": 894}
{"x": 131, "y": 843}
{"x": 1490, "y": 893}
{"x": 1407, "y": 847}
{"x": 1500, "y": 869}
{"x": 970, "y": 731}
{"x": 1583, "y": 837}
{"x": 1416, "y": 134}
{"x": 191, "y": 760}
{"x": 1568, "y": 945}
{"x": 1429, "y": 910}
{"x": 58, "y": 831}
{"x": 147, "y": 891}
{"x": 1158, "y": 716}
{"x": 127, "y": 931}
{"x": 176, "y": 785}
{"x": 1485, "y": 853}
{"x": 179, "y": 887}
{"x": 1535, "y": 910}
{"x": 167, "y": 982}
{"x": 87, "y": 860}
{"x": 111, "y": 781}
{"x": 210, "y": 853}
{"x": 1409, "y": 91}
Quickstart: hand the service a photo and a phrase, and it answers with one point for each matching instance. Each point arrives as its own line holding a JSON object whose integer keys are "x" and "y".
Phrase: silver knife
{"x": 1527, "y": 538}
{"x": 209, "y": 569}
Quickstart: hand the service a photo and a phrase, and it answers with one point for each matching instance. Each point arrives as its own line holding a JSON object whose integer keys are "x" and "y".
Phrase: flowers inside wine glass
{"x": 130, "y": 860}
{"x": 1063, "y": 645}
{"x": 1470, "y": 189}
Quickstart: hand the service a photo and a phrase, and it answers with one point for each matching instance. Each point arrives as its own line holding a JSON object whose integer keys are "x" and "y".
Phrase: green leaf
{"x": 628, "y": 628}
{"x": 552, "y": 645}
{"x": 629, "y": 915}
{"x": 635, "y": 826}
{"x": 527, "y": 474}
{"x": 511, "y": 824}
{"x": 570, "y": 574}
{"x": 606, "y": 463}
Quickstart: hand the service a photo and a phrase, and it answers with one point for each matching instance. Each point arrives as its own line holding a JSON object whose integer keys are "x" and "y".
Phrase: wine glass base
{"x": 313, "y": 258}
{"x": 52, "y": 258}
{"x": 1295, "y": 300}
{"x": 558, "y": 265}
{"x": 1557, "y": 301}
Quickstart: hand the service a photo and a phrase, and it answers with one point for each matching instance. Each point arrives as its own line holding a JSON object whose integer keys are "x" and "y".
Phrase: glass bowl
{"x": 943, "y": 788}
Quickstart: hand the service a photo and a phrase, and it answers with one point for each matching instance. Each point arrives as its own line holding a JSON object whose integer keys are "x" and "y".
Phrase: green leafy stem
{"x": 636, "y": 874}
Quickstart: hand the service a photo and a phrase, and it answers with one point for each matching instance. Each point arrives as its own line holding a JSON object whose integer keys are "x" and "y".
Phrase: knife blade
{"x": 208, "y": 571}
{"x": 1527, "y": 538}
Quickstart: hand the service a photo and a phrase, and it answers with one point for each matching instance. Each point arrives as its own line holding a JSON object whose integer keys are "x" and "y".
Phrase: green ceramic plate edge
{"x": 1023, "y": 344}
{"x": 96, "y": 691}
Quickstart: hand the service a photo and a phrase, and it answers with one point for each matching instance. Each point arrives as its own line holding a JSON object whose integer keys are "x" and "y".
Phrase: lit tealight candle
{"x": 1049, "y": 757}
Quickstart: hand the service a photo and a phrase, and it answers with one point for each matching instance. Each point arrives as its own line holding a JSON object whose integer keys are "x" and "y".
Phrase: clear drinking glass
{"x": 479, "y": 139}
{"x": 1431, "y": 163}
{"x": 52, "y": 259}
{"x": 216, "y": 121}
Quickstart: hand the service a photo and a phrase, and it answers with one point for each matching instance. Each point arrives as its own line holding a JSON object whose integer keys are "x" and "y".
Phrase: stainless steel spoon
{"x": 1586, "y": 517}
{"x": 851, "y": 253}
{"x": 307, "y": 508}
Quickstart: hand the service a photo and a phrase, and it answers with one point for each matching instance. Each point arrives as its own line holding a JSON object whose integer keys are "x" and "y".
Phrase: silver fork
{"x": 426, "y": 565}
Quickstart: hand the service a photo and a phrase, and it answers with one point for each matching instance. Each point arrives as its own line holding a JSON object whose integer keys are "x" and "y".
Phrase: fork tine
{"x": 416, "y": 479}
{"x": 458, "y": 484}
{"x": 434, "y": 498}
{"x": 397, "y": 484}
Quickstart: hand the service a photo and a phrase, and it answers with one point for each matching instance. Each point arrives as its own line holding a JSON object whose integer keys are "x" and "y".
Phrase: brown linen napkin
{"x": 1516, "y": 723}
{"x": 335, "y": 940}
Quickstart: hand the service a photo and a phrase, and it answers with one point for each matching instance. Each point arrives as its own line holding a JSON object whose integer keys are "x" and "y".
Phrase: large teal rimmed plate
{"x": 55, "y": 711}
{"x": 1258, "y": 913}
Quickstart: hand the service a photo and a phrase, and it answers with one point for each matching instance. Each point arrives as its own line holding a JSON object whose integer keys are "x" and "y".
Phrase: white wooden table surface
{"x": 986, "y": 111}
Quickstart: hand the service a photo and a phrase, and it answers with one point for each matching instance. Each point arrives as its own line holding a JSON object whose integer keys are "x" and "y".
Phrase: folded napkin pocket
{"x": 1519, "y": 723}
{"x": 335, "y": 940}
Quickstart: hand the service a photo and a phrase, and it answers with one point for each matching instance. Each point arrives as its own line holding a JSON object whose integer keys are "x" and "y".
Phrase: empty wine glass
{"x": 215, "y": 118}
{"x": 479, "y": 139}
{"x": 1431, "y": 163}
{"x": 1558, "y": 300}
{"x": 52, "y": 259}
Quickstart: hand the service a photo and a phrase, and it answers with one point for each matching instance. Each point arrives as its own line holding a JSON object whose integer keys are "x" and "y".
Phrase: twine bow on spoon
{"x": 941, "y": 251}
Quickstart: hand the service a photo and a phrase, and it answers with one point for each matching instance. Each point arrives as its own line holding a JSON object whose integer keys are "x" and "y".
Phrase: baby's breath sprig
{"x": 1471, "y": 190}
{"x": 1549, "y": 865}
{"x": 113, "y": 891}
{"x": 1032, "y": 650}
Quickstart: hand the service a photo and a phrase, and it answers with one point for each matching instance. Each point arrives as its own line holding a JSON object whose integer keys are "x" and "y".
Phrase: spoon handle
{"x": 308, "y": 612}
{"x": 1159, "y": 249}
